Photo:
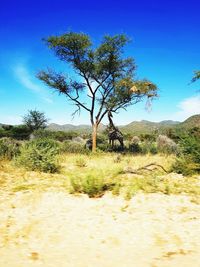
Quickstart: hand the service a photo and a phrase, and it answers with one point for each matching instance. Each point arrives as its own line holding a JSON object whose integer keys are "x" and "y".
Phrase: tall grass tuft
{"x": 92, "y": 185}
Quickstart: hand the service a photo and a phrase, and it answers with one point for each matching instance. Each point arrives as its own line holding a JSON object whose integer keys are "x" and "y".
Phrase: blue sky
{"x": 165, "y": 44}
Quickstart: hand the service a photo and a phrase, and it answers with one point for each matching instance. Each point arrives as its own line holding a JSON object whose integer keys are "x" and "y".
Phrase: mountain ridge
{"x": 143, "y": 126}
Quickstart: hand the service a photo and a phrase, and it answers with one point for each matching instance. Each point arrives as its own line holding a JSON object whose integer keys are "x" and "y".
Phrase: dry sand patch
{"x": 54, "y": 229}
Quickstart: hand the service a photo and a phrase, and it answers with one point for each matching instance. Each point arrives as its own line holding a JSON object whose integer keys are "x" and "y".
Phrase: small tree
{"x": 105, "y": 76}
{"x": 35, "y": 120}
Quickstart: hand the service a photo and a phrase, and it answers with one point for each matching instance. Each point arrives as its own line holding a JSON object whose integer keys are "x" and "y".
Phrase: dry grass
{"x": 109, "y": 167}
{"x": 42, "y": 225}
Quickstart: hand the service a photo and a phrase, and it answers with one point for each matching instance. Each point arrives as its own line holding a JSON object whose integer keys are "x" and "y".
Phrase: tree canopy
{"x": 106, "y": 77}
{"x": 35, "y": 120}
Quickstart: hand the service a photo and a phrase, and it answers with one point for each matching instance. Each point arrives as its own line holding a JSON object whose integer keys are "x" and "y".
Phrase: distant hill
{"x": 68, "y": 127}
{"x": 3, "y": 124}
{"x": 146, "y": 127}
{"x": 169, "y": 122}
{"x": 193, "y": 121}
{"x": 135, "y": 127}
{"x": 75, "y": 128}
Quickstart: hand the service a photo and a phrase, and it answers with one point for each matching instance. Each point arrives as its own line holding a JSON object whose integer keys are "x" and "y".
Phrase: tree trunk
{"x": 94, "y": 137}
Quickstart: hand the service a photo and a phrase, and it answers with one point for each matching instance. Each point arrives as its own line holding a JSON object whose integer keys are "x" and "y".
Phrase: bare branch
{"x": 78, "y": 110}
{"x": 148, "y": 167}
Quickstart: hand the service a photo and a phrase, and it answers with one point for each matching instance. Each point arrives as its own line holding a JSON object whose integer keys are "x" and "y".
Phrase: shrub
{"x": 135, "y": 140}
{"x": 56, "y": 135}
{"x": 39, "y": 155}
{"x": 134, "y": 148}
{"x": 189, "y": 162}
{"x": 9, "y": 148}
{"x": 148, "y": 147}
{"x": 148, "y": 137}
{"x": 73, "y": 147}
{"x": 93, "y": 186}
{"x": 102, "y": 143}
{"x": 81, "y": 162}
{"x": 104, "y": 147}
{"x": 78, "y": 139}
{"x": 166, "y": 145}
{"x": 20, "y": 132}
{"x": 185, "y": 166}
{"x": 190, "y": 145}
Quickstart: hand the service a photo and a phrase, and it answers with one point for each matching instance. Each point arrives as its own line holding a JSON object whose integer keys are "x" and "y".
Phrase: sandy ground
{"x": 55, "y": 229}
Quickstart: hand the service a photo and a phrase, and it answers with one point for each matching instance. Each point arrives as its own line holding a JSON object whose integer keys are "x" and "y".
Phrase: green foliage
{"x": 9, "y": 148}
{"x": 73, "y": 147}
{"x": 92, "y": 185}
{"x": 148, "y": 147}
{"x": 56, "y": 135}
{"x": 196, "y": 76}
{"x": 148, "y": 137}
{"x": 135, "y": 148}
{"x": 189, "y": 163}
{"x": 105, "y": 64}
{"x": 104, "y": 147}
{"x": 190, "y": 146}
{"x": 35, "y": 120}
{"x": 102, "y": 143}
{"x": 39, "y": 155}
{"x": 185, "y": 166}
{"x": 20, "y": 132}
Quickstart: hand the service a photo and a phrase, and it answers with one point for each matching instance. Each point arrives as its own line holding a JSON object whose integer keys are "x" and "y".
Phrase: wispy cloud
{"x": 188, "y": 107}
{"x": 28, "y": 81}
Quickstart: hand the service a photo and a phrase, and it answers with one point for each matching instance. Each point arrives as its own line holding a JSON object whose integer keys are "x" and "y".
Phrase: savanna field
{"x": 96, "y": 211}
{"x": 61, "y": 204}
{"x": 99, "y": 133}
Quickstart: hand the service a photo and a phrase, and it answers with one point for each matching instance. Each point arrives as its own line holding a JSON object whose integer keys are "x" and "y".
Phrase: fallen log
{"x": 148, "y": 167}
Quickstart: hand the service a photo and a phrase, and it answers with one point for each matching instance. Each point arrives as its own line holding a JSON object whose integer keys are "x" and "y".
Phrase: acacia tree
{"x": 35, "y": 120}
{"x": 106, "y": 80}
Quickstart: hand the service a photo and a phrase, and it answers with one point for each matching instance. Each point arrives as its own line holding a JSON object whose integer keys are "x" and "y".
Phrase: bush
{"x": 105, "y": 147}
{"x": 91, "y": 185}
{"x": 148, "y": 147}
{"x": 166, "y": 145}
{"x": 81, "y": 162}
{"x": 189, "y": 162}
{"x": 9, "y": 148}
{"x": 73, "y": 147}
{"x": 148, "y": 137}
{"x": 190, "y": 146}
{"x": 185, "y": 166}
{"x": 20, "y": 132}
{"x": 56, "y": 135}
{"x": 134, "y": 148}
{"x": 39, "y": 155}
{"x": 102, "y": 143}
